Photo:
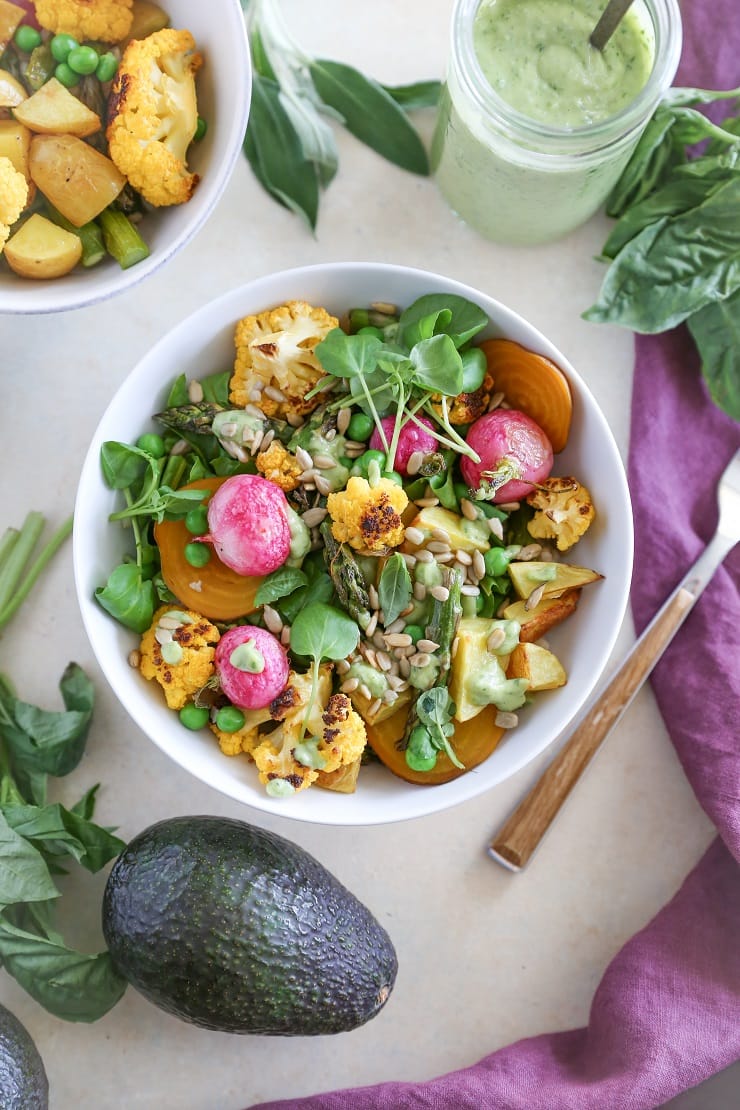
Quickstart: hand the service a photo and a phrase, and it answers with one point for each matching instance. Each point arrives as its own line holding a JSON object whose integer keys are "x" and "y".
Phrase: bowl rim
{"x": 429, "y": 800}
{"x": 115, "y": 282}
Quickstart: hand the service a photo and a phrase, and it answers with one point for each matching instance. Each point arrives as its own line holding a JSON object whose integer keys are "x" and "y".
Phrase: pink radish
{"x": 248, "y": 524}
{"x": 411, "y": 438}
{"x": 252, "y": 666}
{"x": 514, "y": 454}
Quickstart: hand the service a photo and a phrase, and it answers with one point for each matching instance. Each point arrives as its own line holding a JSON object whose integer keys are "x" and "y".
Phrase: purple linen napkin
{"x": 666, "y": 1014}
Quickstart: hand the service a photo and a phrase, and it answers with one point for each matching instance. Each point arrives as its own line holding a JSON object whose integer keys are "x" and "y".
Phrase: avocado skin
{"x": 237, "y": 929}
{"x": 23, "y": 1081}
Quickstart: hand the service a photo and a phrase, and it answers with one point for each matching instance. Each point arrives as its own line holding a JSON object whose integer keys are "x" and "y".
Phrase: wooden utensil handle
{"x": 516, "y": 841}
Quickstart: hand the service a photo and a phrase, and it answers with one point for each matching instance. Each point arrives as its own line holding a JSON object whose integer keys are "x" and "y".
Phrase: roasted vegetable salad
{"x": 350, "y": 544}
{"x": 98, "y": 109}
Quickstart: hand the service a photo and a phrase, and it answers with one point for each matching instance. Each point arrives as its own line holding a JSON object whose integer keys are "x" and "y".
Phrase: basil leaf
{"x": 437, "y": 365}
{"x": 127, "y": 597}
{"x": 394, "y": 588}
{"x": 319, "y": 589}
{"x": 178, "y": 394}
{"x": 675, "y": 266}
{"x": 68, "y": 984}
{"x": 24, "y": 876}
{"x": 59, "y": 831}
{"x": 86, "y": 805}
{"x": 279, "y": 584}
{"x": 275, "y": 153}
{"x": 421, "y": 94}
{"x": 466, "y": 319}
{"x": 122, "y": 464}
{"x": 216, "y": 387}
{"x": 678, "y": 195}
{"x": 370, "y": 114}
{"x": 716, "y": 332}
{"x": 323, "y": 632}
{"x": 348, "y": 356}
{"x": 649, "y": 165}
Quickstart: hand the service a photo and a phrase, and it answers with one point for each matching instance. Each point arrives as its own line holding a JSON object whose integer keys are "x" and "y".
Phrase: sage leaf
{"x": 69, "y": 984}
{"x": 421, "y": 94}
{"x": 370, "y": 113}
{"x": 675, "y": 266}
{"x": 394, "y": 588}
{"x": 24, "y": 876}
{"x": 275, "y": 153}
{"x": 716, "y": 332}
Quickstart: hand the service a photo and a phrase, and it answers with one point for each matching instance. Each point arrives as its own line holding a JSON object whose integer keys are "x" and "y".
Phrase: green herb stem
{"x": 9, "y": 607}
{"x": 17, "y": 555}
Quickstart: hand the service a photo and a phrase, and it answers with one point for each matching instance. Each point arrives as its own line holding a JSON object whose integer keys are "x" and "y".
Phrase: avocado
{"x": 237, "y": 929}
{"x": 23, "y": 1082}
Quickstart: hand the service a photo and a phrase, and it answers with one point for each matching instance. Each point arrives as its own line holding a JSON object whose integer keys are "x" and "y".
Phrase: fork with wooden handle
{"x": 514, "y": 844}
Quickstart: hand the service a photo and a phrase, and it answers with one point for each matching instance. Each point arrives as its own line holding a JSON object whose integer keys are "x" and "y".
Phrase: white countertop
{"x": 484, "y": 957}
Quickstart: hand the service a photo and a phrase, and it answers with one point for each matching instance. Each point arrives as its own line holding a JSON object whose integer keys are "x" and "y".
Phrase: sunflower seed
{"x": 427, "y": 645}
{"x": 372, "y": 624}
{"x": 303, "y": 458}
{"x": 343, "y": 418}
{"x": 506, "y": 720}
{"x": 396, "y": 626}
{"x": 468, "y": 509}
{"x": 195, "y": 392}
{"x": 420, "y": 659}
{"x": 415, "y": 536}
{"x": 464, "y": 558}
{"x": 440, "y": 593}
{"x": 323, "y": 485}
{"x": 267, "y": 439}
{"x": 374, "y": 706}
{"x": 427, "y": 502}
{"x": 272, "y": 619}
{"x": 312, "y": 517}
{"x": 383, "y": 660}
{"x": 469, "y": 590}
{"x": 423, "y": 556}
{"x": 420, "y": 591}
{"x": 442, "y": 535}
{"x": 181, "y": 447}
{"x": 509, "y": 507}
{"x": 416, "y": 458}
{"x": 349, "y": 685}
{"x": 134, "y": 658}
{"x": 390, "y": 696}
{"x": 479, "y": 564}
{"x": 342, "y": 666}
{"x": 363, "y": 690}
{"x": 324, "y": 462}
{"x": 535, "y": 597}
{"x": 529, "y": 551}
{"x": 398, "y": 639}
{"x": 252, "y": 410}
{"x": 275, "y": 394}
{"x": 496, "y": 639}
{"x": 372, "y": 593}
{"x": 285, "y": 636}
{"x": 496, "y": 527}
{"x": 496, "y": 401}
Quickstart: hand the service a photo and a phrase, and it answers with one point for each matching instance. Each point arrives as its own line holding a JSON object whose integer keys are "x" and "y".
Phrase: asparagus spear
{"x": 121, "y": 238}
{"x": 346, "y": 576}
{"x": 196, "y": 418}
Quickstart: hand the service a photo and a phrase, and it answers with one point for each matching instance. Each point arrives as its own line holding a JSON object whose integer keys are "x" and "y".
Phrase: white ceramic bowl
{"x": 224, "y": 90}
{"x": 204, "y": 342}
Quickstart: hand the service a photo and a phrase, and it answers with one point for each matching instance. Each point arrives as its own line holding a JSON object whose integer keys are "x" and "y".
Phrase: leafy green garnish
{"x": 322, "y": 632}
{"x": 394, "y": 587}
{"x": 675, "y": 250}
{"x": 290, "y": 142}
{"x": 280, "y": 583}
{"x": 38, "y": 838}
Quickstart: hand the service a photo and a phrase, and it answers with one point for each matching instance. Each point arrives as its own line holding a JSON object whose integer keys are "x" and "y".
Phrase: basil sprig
{"x": 290, "y": 142}
{"x": 675, "y": 251}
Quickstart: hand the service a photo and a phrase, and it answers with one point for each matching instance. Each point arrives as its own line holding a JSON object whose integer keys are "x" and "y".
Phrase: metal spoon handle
{"x": 608, "y": 23}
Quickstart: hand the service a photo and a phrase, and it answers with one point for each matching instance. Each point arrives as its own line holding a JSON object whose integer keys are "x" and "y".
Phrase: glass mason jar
{"x": 516, "y": 180}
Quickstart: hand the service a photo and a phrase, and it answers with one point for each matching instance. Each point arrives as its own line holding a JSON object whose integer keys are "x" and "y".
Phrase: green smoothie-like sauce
{"x": 536, "y": 55}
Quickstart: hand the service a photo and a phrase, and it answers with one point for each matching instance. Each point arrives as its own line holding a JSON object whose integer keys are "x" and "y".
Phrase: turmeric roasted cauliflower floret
{"x": 100, "y": 20}
{"x": 153, "y": 115}
{"x": 13, "y": 196}
{"x": 467, "y": 407}
{"x": 178, "y": 652}
{"x": 275, "y": 349}
{"x": 279, "y": 466}
{"x": 367, "y": 517}
{"x": 284, "y": 754}
{"x": 343, "y": 738}
{"x": 564, "y": 511}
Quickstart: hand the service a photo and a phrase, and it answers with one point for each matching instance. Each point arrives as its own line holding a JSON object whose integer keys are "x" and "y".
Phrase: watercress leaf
{"x": 676, "y": 266}
{"x": 466, "y": 318}
{"x": 394, "y": 587}
{"x": 382, "y": 388}
{"x": 421, "y": 94}
{"x": 323, "y": 632}
{"x": 370, "y": 114}
{"x": 426, "y": 326}
{"x": 122, "y": 464}
{"x": 438, "y": 365}
{"x": 279, "y": 584}
{"x": 275, "y": 153}
{"x": 716, "y": 332}
{"x": 435, "y": 709}
{"x": 24, "y": 876}
{"x": 127, "y": 597}
{"x": 348, "y": 356}
{"x": 69, "y": 984}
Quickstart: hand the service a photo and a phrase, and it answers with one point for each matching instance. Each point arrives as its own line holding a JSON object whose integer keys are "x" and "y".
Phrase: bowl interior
{"x": 224, "y": 87}
{"x": 204, "y": 343}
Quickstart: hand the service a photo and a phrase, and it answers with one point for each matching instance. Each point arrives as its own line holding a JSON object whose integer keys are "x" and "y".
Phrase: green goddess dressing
{"x": 534, "y": 173}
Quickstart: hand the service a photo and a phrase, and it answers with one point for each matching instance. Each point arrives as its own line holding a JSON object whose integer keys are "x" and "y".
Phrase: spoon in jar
{"x": 608, "y": 23}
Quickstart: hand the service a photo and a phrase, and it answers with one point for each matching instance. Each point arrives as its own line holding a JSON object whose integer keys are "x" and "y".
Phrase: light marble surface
{"x": 485, "y": 957}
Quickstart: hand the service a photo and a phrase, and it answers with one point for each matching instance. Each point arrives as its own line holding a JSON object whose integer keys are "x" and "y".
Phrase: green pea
{"x": 196, "y": 521}
{"x": 392, "y": 476}
{"x": 193, "y": 716}
{"x": 65, "y": 75}
{"x": 415, "y": 631}
{"x": 474, "y": 367}
{"x": 496, "y": 560}
{"x": 345, "y": 460}
{"x": 229, "y": 719}
{"x": 372, "y": 456}
{"x": 152, "y": 444}
{"x": 83, "y": 60}
{"x": 420, "y": 754}
{"x": 61, "y": 45}
{"x": 200, "y": 129}
{"x": 370, "y": 330}
{"x": 106, "y": 67}
{"x": 26, "y": 38}
{"x": 197, "y": 554}
{"x": 360, "y": 427}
